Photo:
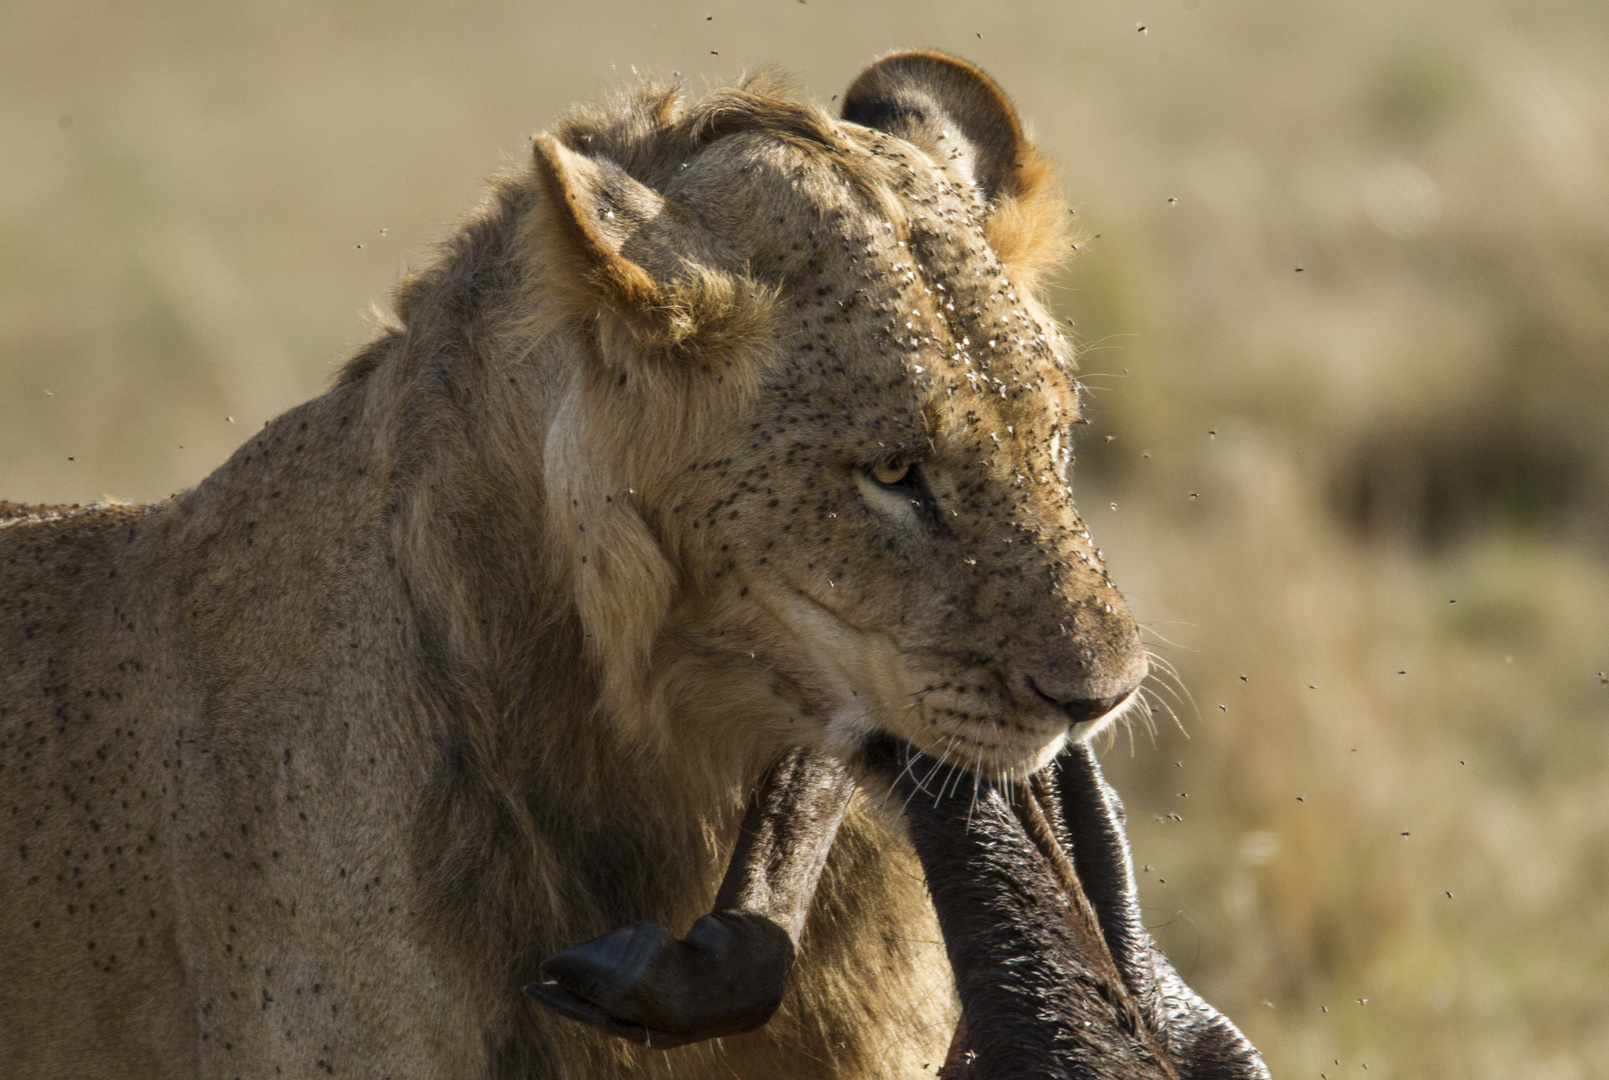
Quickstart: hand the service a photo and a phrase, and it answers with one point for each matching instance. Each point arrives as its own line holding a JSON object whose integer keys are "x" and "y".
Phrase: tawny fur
{"x": 477, "y": 655}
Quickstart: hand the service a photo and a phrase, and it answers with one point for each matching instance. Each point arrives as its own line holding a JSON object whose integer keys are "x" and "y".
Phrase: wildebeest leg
{"x": 1087, "y": 817}
{"x": 1204, "y": 1044}
{"x": 728, "y": 974}
{"x": 1039, "y": 991}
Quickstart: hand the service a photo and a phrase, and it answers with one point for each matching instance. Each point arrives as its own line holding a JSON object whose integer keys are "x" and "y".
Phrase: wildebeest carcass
{"x": 1034, "y": 888}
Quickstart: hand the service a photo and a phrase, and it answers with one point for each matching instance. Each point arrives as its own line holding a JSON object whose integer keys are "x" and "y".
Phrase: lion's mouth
{"x": 1082, "y": 730}
{"x": 1003, "y": 744}
{"x": 969, "y": 715}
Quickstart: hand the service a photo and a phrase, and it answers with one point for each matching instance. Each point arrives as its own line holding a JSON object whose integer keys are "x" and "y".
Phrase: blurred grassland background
{"x": 1344, "y": 295}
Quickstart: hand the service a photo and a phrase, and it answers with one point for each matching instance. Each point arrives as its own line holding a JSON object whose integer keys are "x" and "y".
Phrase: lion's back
{"x": 89, "y": 969}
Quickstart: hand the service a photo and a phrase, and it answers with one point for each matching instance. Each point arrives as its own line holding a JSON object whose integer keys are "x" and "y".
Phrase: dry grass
{"x": 1397, "y": 534}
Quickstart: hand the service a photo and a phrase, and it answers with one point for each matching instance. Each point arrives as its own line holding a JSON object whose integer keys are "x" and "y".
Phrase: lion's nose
{"x": 1079, "y": 710}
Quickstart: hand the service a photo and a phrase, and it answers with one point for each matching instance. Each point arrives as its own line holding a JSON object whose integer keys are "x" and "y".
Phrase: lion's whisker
{"x": 1168, "y": 677}
{"x": 1147, "y": 628}
{"x": 910, "y": 763}
{"x": 921, "y": 785}
{"x": 1160, "y": 703}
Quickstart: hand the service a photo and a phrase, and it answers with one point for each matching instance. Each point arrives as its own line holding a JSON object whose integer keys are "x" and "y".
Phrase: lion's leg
{"x": 728, "y": 974}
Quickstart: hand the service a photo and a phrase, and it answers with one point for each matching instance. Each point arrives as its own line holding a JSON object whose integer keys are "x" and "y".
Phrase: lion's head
{"x": 810, "y": 456}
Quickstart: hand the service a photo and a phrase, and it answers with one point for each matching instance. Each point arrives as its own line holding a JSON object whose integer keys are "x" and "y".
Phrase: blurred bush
{"x": 1344, "y": 298}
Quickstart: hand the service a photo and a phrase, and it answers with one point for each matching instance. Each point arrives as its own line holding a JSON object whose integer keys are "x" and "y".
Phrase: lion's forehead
{"x": 909, "y": 340}
{"x": 900, "y": 329}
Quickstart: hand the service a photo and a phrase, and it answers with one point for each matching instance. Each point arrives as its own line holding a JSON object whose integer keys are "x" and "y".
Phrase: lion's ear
{"x": 962, "y": 118}
{"x": 614, "y": 242}
{"x": 953, "y": 111}
{"x": 611, "y": 224}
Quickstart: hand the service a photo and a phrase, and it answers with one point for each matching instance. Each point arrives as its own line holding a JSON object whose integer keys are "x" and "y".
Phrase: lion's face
{"x": 898, "y": 496}
{"x": 880, "y": 525}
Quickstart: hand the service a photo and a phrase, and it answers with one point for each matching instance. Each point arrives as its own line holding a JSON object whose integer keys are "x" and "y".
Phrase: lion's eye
{"x": 889, "y": 473}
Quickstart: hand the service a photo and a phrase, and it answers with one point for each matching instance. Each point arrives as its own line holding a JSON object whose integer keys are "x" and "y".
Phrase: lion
{"x": 722, "y": 428}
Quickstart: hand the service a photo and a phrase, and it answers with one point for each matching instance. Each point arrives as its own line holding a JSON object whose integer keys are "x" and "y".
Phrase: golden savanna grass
{"x": 1410, "y": 471}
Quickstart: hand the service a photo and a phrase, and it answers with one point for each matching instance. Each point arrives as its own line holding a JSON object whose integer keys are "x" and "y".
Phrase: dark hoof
{"x": 725, "y": 977}
{"x": 605, "y": 969}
